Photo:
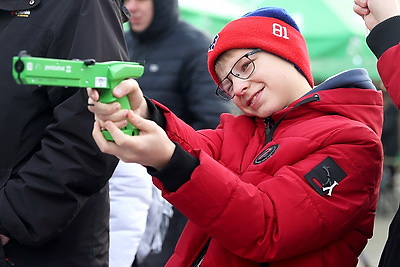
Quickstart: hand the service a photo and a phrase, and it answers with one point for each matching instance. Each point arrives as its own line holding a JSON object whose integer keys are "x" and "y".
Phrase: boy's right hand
{"x": 375, "y": 11}
{"x": 112, "y": 111}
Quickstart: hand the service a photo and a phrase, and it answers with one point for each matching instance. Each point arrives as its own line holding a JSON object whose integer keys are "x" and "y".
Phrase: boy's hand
{"x": 375, "y": 11}
{"x": 151, "y": 147}
{"x": 112, "y": 111}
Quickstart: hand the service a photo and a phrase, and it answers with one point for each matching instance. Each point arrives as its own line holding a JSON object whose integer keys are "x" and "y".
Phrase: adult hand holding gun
{"x": 151, "y": 147}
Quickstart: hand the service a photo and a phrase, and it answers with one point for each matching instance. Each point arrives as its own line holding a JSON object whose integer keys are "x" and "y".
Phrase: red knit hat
{"x": 270, "y": 29}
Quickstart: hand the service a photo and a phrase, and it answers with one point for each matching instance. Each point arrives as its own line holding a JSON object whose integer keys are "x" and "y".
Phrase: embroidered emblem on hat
{"x": 266, "y": 154}
{"x": 214, "y": 42}
{"x": 325, "y": 176}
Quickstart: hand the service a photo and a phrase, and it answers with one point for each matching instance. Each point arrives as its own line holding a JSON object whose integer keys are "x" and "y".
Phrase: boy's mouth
{"x": 253, "y": 98}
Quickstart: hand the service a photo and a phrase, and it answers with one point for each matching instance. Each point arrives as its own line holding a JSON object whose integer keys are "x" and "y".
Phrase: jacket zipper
{"x": 271, "y": 125}
{"x": 200, "y": 257}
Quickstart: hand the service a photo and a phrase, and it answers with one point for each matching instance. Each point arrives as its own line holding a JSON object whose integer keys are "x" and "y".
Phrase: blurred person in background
{"x": 174, "y": 54}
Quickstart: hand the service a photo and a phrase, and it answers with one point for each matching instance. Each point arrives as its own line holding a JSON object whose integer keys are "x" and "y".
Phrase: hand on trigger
{"x": 151, "y": 147}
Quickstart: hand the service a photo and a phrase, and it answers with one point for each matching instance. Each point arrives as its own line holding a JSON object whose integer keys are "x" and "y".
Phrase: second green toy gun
{"x": 78, "y": 73}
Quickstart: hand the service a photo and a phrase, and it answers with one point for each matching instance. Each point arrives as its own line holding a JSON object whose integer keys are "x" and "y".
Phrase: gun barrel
{"x": 78, "y": 73}
{"x": 73, "y": 73}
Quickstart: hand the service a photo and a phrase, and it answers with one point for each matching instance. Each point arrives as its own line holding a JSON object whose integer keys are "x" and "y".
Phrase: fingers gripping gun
{"x": 78, "y": 73}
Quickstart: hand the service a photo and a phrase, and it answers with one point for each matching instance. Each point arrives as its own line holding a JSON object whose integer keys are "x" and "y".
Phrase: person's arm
{"x": 375, "y": 11}
{"x": 152, "y": 148}
{"x": 384, "y": 42}
{"x": 282, "y": 210}
{"x": 68, "y": 168}
{"x": 268, "y": 208}
{"x": 383, "y": 19}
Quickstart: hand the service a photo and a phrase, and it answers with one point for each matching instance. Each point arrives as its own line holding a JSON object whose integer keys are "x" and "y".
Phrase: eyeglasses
{"x": 242, "y": 69}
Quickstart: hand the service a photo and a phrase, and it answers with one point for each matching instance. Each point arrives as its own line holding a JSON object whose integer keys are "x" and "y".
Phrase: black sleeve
{"x": 156, "y": 114}
{"x": 385, "y": 35}
{"x": 180, "y": 167}
{"x": 177, "y": 171}
{"x": 66, "y": 167}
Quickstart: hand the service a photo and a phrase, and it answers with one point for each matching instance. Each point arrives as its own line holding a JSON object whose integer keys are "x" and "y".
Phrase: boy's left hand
{"x": 151, "y": 147}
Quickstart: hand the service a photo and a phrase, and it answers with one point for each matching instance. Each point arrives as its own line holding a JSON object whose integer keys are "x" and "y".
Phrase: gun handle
{"x": 107, "y": 97}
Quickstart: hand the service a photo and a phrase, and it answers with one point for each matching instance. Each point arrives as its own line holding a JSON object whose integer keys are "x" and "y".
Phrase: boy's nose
{"x": 239, "y": 86}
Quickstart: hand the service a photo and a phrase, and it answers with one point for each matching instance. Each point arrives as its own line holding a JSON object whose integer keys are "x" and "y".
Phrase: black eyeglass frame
{"x": 219, "y": 91}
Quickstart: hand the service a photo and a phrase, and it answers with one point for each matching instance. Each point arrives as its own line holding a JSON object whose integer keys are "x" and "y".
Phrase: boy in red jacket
{"x": 287, "y": 182}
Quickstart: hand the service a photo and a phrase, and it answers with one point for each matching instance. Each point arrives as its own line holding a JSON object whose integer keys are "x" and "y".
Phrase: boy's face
{"x": 142, "y": 12}
{"x": 274, "y": 84}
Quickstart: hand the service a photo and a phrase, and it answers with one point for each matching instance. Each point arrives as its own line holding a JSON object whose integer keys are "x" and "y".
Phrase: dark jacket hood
{"x": 166, "y": 15}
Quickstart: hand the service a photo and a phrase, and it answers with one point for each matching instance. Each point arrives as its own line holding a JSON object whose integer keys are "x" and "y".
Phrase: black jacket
{"x": 175, "y": 57}
{"x": 53, "y": 178}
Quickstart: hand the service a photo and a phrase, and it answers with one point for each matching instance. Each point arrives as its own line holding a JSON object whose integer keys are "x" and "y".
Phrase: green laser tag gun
{"x": 78, "y": 73}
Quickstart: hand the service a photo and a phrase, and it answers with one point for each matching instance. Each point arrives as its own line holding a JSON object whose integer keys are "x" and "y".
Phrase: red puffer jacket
{"x": 302, "y": 194}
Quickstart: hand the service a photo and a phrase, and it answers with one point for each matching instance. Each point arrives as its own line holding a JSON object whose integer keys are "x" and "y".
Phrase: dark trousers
{"x": 390, "y": 256}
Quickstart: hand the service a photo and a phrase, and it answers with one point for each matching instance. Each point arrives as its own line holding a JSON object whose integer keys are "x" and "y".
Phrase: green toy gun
{"x": 78, "y": 73}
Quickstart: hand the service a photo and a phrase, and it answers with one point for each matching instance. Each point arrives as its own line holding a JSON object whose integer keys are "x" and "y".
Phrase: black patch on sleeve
{"x": 325, "y": 176}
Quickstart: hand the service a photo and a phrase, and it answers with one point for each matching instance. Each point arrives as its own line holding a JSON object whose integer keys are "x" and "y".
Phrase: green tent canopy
{"x": 335, "y": 35}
